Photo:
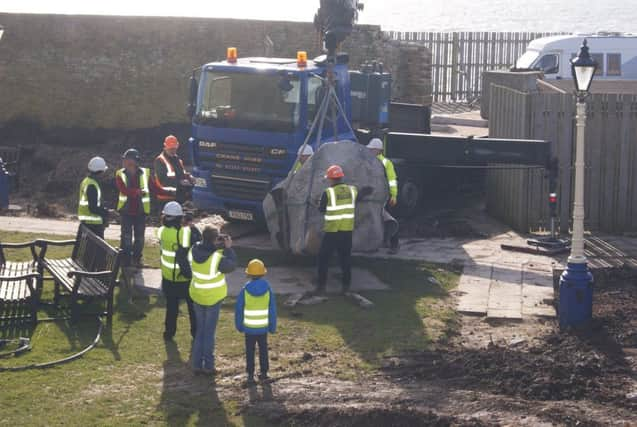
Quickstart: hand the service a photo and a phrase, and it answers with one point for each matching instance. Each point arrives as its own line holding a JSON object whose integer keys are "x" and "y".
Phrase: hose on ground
{"x": 75, "y": 356}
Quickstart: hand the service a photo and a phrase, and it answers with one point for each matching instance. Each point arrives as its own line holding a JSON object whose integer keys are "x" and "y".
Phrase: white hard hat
{"x": 375, "y": 144}
{"x": 97, "y": 164}
{"x": 173, "y": 209}
{"x": 305, "y": 150}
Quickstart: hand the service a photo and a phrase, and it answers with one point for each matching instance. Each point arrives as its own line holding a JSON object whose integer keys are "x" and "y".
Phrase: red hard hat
{"x": 334, "y": 172}
{"x": 171, "y": 141}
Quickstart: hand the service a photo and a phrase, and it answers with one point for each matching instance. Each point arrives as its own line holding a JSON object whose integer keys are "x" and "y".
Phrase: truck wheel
{"x": 408, "y": 198}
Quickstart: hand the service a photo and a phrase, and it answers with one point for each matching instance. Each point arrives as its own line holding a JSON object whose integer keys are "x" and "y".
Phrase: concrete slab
{"x": 284, "y": 281}
{"x": 469, "y": 118}
{"x": 505, "y": 293}
{"x": 536, "y": 301}
{"x": 509, "y": 313}
{"x": 473, "y": 288}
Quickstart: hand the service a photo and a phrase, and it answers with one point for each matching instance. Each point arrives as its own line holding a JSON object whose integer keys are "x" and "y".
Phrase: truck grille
{"x": 240, "y": 187}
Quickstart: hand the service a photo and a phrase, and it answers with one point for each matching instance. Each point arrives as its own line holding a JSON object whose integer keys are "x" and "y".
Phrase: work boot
{"x": 138, "y": 262}
{"x": 250, "y": 381}
{"x": 211, "y": 372}
{"x": 263, "y": 377}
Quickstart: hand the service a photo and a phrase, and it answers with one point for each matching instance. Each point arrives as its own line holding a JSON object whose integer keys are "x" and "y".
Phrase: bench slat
{"x": 15, "y": 290}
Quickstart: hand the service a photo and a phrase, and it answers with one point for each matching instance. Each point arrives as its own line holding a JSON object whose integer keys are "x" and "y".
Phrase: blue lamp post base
{"x": 576, "y": 295}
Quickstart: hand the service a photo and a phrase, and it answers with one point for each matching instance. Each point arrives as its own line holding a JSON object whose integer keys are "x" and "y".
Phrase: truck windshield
{"x": 526, "y": 60}
{"x": 258, "y": 101}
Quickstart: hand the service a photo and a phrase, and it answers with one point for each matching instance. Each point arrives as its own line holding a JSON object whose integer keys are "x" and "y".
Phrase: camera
{"x": 222, "y": 238}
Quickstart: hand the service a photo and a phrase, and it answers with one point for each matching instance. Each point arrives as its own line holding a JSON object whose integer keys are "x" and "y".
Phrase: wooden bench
{"x": 19, "y": 285}
{"x": 89, "y": 274}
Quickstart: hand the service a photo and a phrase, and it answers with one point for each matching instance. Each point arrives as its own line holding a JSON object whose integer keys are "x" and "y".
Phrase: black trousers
{"x": 132, "y": 237}
{"x": 97, "y": 229}
{"x": 341, "y": 243}
{"x": 174, "y": 292}
{"x": 264, "y": 363}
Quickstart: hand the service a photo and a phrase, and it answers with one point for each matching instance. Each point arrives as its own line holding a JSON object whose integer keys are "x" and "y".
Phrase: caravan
{"x": 615, "y": 53}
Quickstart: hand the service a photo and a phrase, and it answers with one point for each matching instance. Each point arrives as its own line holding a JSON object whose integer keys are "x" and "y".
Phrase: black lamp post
{"x": 576, "y": 283}
{"x": 583, "y": 68}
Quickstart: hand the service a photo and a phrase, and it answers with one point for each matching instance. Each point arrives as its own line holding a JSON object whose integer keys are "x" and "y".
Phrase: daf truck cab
{"x": 249, "y": 118}
{"x": 615, "y": 53}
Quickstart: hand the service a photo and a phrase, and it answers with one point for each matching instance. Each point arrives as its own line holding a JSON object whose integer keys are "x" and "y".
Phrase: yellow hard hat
{"x": 256, "y": 268}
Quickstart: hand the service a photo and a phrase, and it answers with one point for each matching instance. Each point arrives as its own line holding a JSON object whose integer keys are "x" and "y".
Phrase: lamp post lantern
{"x": 576, "y": 283}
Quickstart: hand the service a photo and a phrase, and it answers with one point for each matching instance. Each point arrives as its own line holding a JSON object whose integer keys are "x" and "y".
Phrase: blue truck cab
{"x": 250, "y": 118}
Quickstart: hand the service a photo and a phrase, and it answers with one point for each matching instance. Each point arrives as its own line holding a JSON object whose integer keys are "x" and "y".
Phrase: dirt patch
{"x": 363, "y": 417}
{"x": 437, "y": 224}
{"x": 615, "y": 304}
{"x": 564, "y": 367}
{"x": 54, "y": 159}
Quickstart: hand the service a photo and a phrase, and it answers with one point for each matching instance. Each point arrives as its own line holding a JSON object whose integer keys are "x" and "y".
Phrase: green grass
{"x": 134, "y": 378}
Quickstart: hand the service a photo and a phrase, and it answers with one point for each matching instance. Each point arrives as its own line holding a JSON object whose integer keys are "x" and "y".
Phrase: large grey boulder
{"x": 291, "y": 208}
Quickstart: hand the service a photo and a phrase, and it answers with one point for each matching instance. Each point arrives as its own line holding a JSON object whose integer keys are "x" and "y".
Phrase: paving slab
{"x": 537, "y": 301}
{"x": 284, "y": 281}
{"x": 473, "y": 289}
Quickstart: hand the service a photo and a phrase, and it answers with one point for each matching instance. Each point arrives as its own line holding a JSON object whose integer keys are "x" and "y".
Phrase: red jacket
{"x": 134, "y": 194}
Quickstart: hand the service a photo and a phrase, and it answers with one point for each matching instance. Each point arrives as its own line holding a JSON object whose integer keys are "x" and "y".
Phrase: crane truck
{"x": 250, "y": 116}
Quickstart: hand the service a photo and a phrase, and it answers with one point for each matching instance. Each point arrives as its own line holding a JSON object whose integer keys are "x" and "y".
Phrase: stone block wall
{"x": 132, "y": 72}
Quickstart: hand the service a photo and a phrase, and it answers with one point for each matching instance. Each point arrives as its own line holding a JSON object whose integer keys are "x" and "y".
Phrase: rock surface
{"x": 291, "y": 208}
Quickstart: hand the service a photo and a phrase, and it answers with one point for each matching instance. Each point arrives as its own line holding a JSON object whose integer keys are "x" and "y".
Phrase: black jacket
{"x": 91, "y": 195}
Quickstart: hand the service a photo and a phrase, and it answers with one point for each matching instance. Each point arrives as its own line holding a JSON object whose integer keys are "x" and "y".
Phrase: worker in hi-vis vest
{"x": 170, "y": 177}
{"x": 175, "y": 241}
{"x": 210, "y": 260}
{"x": 338, "y": 204}
{"x": 90, "y": 210}
{"x": 133, "y": 204}
{"x": 304, "y": 153}
{"x": 255, "y": 316}
{"x": 391, "y": 233}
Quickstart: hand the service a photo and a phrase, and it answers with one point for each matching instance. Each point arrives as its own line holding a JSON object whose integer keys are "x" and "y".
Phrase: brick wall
{"x": 132, "y": 72}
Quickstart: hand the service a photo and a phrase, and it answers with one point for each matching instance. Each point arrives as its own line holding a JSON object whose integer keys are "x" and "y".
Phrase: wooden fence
{"x": 458, "y": 59}
{"x": 520, "y": 197}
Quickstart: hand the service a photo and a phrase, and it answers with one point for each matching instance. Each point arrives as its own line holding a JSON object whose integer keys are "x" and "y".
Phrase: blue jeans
{"x": 203, "y": 346}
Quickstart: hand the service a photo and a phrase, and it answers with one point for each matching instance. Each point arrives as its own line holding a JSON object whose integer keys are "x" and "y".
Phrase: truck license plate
{"x": 241, "y": 215}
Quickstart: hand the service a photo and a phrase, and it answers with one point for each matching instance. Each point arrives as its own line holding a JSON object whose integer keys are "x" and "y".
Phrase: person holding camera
{"x": 210, "y": 260}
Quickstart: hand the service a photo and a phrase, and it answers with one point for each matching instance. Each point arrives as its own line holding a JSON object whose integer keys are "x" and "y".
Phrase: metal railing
{"x": 459, "y": 58}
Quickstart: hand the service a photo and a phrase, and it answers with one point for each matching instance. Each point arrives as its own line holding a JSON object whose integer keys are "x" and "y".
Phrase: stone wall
{"x": 132, "y": 72}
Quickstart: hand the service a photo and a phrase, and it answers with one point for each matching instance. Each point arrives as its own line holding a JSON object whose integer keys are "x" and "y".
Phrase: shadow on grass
{"x": 185, "y": 396}
{"x": 408, "y": 316}
{"x": 404, "y": 318}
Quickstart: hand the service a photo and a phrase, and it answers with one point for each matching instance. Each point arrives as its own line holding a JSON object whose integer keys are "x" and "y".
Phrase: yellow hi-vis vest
{"x": 256, "y": 310}
{"x": 143, "y": 186}
{"x": 170, "y": 240}
{"x": 83, "y": 212}
{"x": 208, "y": 285}
{"x": 297, "y": 166}
{"x": 390, "y": 173}
{"x": 341, "y": 208}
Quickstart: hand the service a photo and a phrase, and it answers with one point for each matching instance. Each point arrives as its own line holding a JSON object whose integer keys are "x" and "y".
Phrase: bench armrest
{"x": 44, "y": 242}
{"x": 20, "y": 277}
{"x": 94, "y": 274}
{"x": 21, "y": 245}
